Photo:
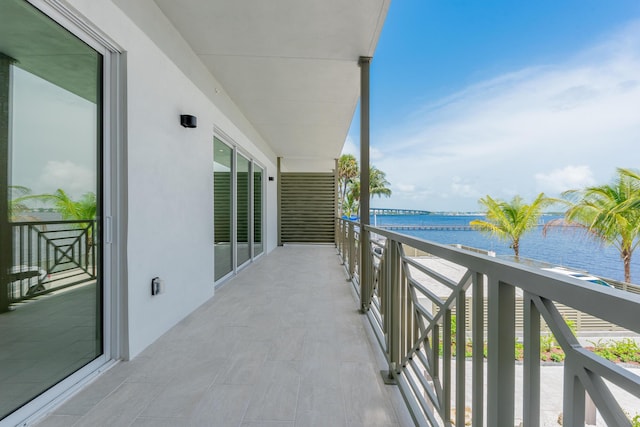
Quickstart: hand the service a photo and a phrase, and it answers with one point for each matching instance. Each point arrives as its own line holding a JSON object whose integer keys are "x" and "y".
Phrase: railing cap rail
{"x": 609, "y": 304}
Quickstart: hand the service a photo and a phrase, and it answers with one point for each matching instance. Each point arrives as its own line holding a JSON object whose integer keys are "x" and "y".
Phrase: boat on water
{"x": 578, "y": 275}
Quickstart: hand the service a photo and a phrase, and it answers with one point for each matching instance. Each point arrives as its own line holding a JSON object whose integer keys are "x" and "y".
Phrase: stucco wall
{"x": 170, "y": 188}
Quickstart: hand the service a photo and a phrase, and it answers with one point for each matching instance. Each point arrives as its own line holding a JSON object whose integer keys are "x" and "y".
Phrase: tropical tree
{"x": 377, "y": 187}
{"x": 378, "y": 184}
{"x": 509, "y": 221}
{"x": 611, "y": 213}
{"x": 348, "y": 171}
{"x": 83, "y": 208}
{"x": 17, "y": 207}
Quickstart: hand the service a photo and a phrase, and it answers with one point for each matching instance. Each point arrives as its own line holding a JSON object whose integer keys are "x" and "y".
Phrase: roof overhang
{"x": 291, "y": 66}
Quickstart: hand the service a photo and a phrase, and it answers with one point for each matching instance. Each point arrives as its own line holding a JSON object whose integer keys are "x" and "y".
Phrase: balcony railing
{"x": 410, "y": 303}
{"x": 51, "y": 255}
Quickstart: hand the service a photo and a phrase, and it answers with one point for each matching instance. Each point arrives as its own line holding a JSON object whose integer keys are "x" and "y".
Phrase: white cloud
{"x": 495, "y": 136}
{"x": 464, "y": 188}
{"x": 375, "y": 153}
{"x": 72, "y": 178}
{"x": 567, "y": 178}
{"x": 350, "y": 147}
{"x": 405, "y": 188}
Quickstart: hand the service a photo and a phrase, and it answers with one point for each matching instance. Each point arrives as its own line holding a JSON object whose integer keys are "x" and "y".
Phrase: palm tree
{"x": 377, "y": 187}
{"x": 347, "y": 172}
{"x": 511, "y": 220}
{"x": 611, "y": 213}
{"x": 17, "y": 207}
{"x": 378, "y": 183}
{"x": 84, "y": 208}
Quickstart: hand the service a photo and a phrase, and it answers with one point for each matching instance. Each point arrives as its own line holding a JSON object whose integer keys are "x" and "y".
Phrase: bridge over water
{"x": 427, "y": 227}
{"x": 381, "y": 211}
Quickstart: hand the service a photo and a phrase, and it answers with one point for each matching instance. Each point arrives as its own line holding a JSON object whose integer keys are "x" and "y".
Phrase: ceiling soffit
{"x": 291, "y": 66}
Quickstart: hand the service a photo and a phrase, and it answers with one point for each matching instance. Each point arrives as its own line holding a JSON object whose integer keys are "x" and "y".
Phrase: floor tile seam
{"x": 156, "y": 394}
{"x": 228, "y": 370}
{"x": 274, "y": 420}
{"x": 94, "y": 407}
{"x": 373, "y": 349}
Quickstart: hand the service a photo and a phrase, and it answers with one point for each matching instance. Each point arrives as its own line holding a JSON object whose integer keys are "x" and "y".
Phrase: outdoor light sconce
{"x": 188, "y": 121}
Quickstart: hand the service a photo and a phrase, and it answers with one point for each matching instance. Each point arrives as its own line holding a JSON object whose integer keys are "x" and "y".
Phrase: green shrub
{"x": 546, "y": 342}
{"x": 626, "y": 350}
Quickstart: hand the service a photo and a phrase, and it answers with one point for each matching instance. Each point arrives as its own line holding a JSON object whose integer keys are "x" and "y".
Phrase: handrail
{"x": 417, "y": 336}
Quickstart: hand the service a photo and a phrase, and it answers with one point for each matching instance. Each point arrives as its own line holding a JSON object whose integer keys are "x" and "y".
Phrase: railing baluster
{"x": 21, "y": 262}
{"x": 352, "y": 251}
{"x": 574, "y": 399}
{"x": 406, "y": 342}
{"x": 446, "y": 366}
{"x": 501, "y": 363}
{"x": 477, "y": 399}
{"x": 461, "y": 336}
{"x": 531, "y": 368}
{"x": 395, "y": 327}
{"x": 435, "y": 352}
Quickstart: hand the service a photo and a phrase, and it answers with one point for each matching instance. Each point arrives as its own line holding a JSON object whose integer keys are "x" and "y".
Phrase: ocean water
{"x": 569, "y": 248}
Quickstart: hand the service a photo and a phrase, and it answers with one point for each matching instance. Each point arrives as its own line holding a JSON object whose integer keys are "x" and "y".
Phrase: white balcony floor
{"x": 281, "y": 344}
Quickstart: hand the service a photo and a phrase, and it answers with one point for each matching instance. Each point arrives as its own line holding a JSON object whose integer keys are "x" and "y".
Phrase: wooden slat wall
{"x": 583, "y": 322}
{"x": 307, "y": 208}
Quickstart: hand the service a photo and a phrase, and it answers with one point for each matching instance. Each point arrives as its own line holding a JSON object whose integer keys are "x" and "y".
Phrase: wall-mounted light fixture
{"x": 188, "y": 121}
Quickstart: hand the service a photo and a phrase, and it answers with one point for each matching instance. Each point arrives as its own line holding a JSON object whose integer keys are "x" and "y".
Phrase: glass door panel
{"x": 258, "y": 179}
{"x": 222, "y": 208}
{"x": 51, "y": 289}
{"x": 243, "y": 216}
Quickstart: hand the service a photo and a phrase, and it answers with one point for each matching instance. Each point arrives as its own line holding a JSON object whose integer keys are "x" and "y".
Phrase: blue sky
{"x": 502, "y": 98}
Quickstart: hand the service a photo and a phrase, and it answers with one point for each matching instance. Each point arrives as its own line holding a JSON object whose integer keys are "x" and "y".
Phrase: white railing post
{"x": 477, "y": 395}
{"x": 446, "y": 367}
{"x": 501, "y": 360}
{"x": 461, "y": 346}
{"x": 531, "y": 368}
{"x": 574, "y": 399}
{"x": 393, "y": 310}
{"x": 352, "y": 250}
{"x": 364, "y": 274}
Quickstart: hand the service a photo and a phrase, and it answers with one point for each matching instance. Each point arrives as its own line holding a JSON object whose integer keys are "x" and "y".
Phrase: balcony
{"x": 412, "y": 289}
{"x": 280, "y": 344}
{"x": 283, "y": 344}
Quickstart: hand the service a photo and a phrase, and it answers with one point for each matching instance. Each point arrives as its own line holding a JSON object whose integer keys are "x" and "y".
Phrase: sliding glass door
{"x": 238, "y": 209}
{"x": 51, "y": 308}
{"x": 223, "y": 208}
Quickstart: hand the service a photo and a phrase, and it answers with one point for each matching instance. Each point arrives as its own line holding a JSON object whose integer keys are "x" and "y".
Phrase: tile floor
{"x": 281, "y": 344}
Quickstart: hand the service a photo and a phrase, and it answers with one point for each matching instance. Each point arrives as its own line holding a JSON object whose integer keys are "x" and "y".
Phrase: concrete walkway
{"x": 279, "y": 345}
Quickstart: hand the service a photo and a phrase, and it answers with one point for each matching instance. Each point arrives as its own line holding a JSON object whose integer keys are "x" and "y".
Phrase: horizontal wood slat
{"x": 307, "y": 207}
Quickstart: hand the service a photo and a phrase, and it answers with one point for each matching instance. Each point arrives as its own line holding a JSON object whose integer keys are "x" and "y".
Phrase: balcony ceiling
{"x": 289, "y": 65}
